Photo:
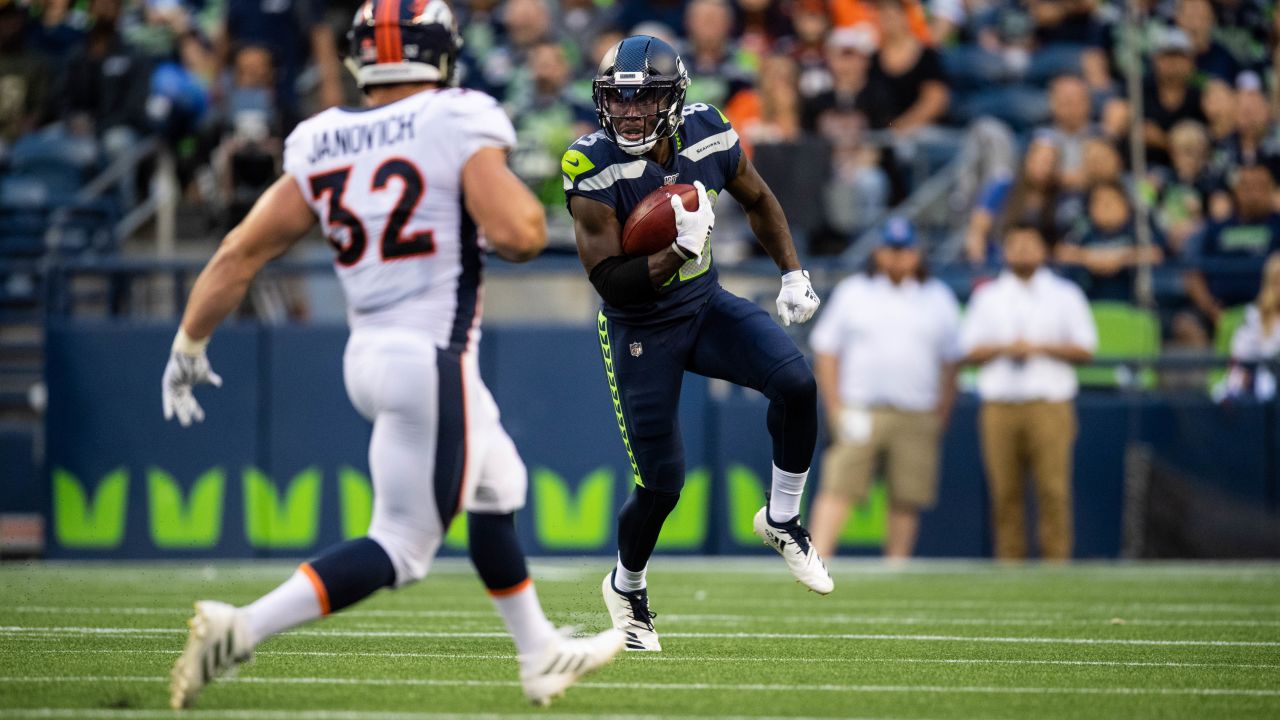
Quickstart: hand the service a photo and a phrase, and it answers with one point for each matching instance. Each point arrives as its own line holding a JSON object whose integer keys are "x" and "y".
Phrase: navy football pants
{"x": 730, "y": 339}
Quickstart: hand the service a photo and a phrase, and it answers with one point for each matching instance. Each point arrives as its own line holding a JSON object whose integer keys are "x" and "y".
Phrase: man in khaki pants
{"x": 886, "y": 348}
{"x": 1028, "y": 329}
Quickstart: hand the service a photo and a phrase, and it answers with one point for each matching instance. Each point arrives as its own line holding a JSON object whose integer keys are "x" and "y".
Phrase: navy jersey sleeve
{"x": 709, "y": 132}
{"x": 589, "y": 171}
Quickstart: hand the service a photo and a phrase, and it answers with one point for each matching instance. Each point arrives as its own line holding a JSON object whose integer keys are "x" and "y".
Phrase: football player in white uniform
{"x": 401, "y": 189}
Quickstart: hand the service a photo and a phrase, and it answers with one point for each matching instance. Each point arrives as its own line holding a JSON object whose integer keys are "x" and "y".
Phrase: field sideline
{"x": 934, "y": 640}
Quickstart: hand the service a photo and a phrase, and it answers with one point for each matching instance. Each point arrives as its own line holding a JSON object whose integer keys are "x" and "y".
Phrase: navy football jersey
{"x": 706, "y": 149}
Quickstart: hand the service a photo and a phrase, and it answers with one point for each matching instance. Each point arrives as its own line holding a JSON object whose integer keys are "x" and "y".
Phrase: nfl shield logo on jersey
{"x": 636, "y": 349}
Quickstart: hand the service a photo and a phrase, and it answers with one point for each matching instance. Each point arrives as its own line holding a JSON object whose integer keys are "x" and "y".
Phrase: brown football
{"x": 652, "y": 225}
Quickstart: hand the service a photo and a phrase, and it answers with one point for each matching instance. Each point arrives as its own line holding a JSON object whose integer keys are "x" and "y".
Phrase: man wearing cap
{"x": 886, "y": 349}
{"x": 1169, "y": 96}
{"x": 1027, "y": 329}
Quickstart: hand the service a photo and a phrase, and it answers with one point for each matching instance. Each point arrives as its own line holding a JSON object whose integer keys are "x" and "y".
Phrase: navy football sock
{"x": 793, "y": 415}
{"x": 639, "y": 523}
{"x": 495, "y": 550}
{"x": 351, "y": 572}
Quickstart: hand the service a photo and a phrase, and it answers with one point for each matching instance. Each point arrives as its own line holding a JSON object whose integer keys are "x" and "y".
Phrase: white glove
{"x": 693, "y": 228}
{"x": 188, "y": 366}
{"x": 797, "y": 302}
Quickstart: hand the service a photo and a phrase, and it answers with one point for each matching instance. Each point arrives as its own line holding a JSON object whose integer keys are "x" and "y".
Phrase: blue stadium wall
{"x": 279, "y": 468}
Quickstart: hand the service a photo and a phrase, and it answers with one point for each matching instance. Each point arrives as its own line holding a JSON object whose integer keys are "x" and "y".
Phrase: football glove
{"x": 797, "y": 302}
{"x": 188, "y": 366}
{"x": 693, "y": 228}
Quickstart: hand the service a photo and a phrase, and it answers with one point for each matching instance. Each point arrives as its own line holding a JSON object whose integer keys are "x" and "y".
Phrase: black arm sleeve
{"x": 623, "y": 281}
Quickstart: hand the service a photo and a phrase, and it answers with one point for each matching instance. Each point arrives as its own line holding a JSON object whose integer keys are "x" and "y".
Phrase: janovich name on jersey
{"x": 351, "y": 139}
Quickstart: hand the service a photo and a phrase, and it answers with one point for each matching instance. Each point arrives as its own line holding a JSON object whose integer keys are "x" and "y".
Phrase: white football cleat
{"x": 547, "y": 674}
{"x": 791, "y": 541}
{"x": 631, "y": 615}
{"x": 218, "y": 642}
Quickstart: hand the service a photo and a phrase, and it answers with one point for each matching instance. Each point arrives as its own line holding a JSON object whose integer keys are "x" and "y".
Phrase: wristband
{"x": 680, "y": 251}
{"x": 187, "y": 345}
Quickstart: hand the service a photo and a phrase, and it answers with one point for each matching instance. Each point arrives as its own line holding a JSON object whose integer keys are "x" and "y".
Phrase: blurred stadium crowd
{"x": 850, "y": 108}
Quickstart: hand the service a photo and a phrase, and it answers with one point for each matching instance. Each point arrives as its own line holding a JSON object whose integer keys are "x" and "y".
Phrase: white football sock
{"x": 522, "y": 613}
{"x": 784, "y": 497}
{"x": 629, "y": 580}
{"x": 294, "y": 602}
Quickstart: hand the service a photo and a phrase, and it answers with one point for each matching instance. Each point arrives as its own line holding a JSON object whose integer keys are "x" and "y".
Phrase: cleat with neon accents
{"x": 631, "y": 616}
{"x": 791, "y": 541}
{"x": 217, "y": 643}
{"x": 547, "y": 674}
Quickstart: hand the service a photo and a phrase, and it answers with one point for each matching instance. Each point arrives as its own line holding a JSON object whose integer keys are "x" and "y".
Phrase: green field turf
{"x": 936, "y": 640}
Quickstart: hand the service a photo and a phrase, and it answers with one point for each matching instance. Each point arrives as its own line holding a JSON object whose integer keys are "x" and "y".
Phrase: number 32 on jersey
{"x": 395, "y": 244}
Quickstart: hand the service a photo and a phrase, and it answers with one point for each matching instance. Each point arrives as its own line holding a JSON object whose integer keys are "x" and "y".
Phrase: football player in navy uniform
{"x": 665, "y": 313}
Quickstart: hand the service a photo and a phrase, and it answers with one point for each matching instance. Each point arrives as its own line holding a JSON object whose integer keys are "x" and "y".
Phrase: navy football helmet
{"x": 403, "y": 41}
{"x": 639, "y": 93}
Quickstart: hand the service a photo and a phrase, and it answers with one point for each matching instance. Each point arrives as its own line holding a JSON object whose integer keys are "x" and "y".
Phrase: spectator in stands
{"x": 1170, "y": 96}
{"x": 1106, "y": 246}
{"x": 581, "y": 22}
{"x": 24, "y": 77}
{"x": 504, "y": 70}
{"x": 1100, "y": 163}
{"x": 717, "y": 68}
{"x": 295, "y": 33}
{"x": 1255, "y": 141}
{"x": 770, "y": 113}
{"x": 104, "y": 90}
{"x": 1071, "y": 109}
{"x": 251, "y": 129}
{"x": 60, "y": 31}
{"x": 1243, "y": 241}
{"x": 666, "y": 12}
{"x": 859, "y": 188}
{"x": 480, "y": 25}
{"x": 1027, "y": 329}
{"x": 1063, "y": 22}
{"x": 547, "y": 122}
{"x": 807, "y": 46}
{"x": 1243, "y": 28}
{"x": 760, "y": 25}
{"x": 906, "y": 88}
{"x": 1218, "y": 103}
{"x": 1212, "y": 60}
{"x": 848, "y": 55}
{"x": 886, "y": 348}
{"x": 1183, "y": 191}
{"x": 1033, "y": 197}
{"x": 1257, "y": 340}
{"x": 906, "y": 92}
{"x": 1113, "y": 126}
{"x": 856, "y": 13}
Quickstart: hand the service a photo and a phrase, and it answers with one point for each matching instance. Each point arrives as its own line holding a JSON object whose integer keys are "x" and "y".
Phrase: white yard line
{"x": 61, "y": 630}
{"x": 735, "y": 687}
{"x": 75, "y": 713}
{"x": 1046, "y": 620}
{"x": 659, "y": 658}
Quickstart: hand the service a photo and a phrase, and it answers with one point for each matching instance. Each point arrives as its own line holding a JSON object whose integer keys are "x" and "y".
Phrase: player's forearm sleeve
{"x": 623, "y": 281}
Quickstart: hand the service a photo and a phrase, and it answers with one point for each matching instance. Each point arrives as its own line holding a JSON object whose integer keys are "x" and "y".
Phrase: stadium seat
{"x": 22, "y": 231}
{"x": 1124, "y": 332}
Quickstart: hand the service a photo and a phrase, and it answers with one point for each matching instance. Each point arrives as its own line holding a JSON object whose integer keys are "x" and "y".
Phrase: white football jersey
{"x": 386, "y": 184}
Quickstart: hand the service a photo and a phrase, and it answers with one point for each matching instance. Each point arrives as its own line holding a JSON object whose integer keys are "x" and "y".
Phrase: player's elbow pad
{"x": 623, "y": 281}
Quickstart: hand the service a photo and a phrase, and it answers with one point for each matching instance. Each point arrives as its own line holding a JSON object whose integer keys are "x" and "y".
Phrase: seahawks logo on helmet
{"x": 639, "y": 93}
{"x": 403, "y": 41}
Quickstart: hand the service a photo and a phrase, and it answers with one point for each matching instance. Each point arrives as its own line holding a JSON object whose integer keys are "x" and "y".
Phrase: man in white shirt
{"x": 1028, "y": 329}
{"x": 886, "y": 352}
